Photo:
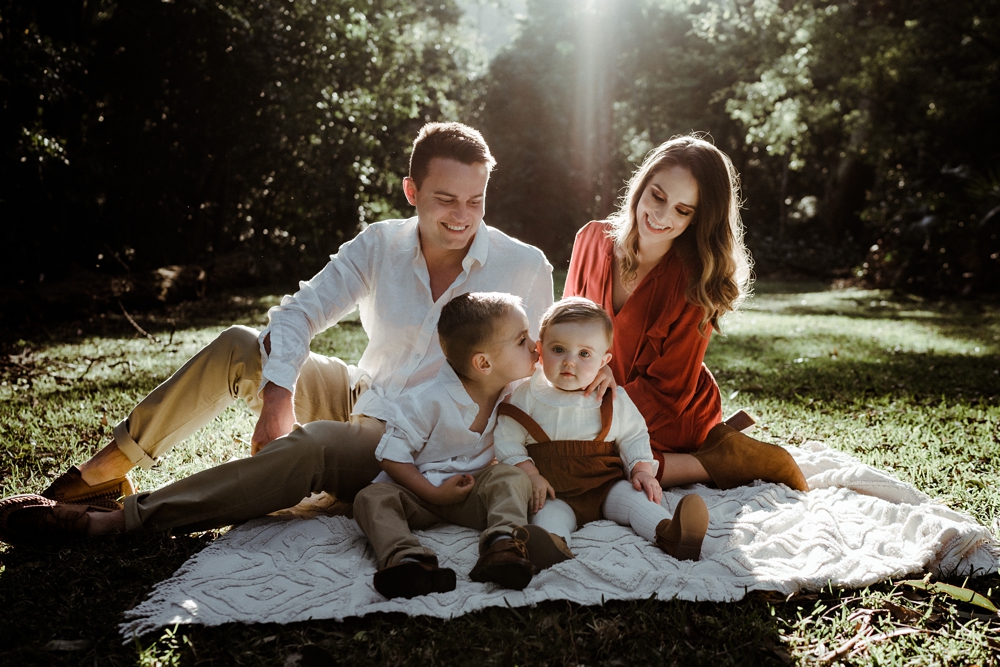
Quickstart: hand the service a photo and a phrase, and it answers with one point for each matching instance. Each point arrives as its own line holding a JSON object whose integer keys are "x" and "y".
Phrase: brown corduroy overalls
{"x": 581, "y": 471}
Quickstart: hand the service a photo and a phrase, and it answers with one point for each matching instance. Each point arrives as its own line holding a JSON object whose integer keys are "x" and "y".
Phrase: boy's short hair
{"x": 468, "y": 324}
{"x": 576, "y": 309}
{"x": 454, "y": 141}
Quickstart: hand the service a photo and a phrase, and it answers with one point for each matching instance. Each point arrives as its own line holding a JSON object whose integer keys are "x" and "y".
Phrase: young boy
{"x": 578, "y": 451}
{"x": 438, "y": 461}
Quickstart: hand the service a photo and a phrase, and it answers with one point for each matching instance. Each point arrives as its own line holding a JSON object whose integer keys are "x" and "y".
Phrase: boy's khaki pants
{"x": 331, "y": 452}
{"x": 388, "y": 512}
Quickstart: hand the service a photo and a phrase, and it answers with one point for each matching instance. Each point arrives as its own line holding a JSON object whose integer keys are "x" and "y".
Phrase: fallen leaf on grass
{"x": 956, "y": 592}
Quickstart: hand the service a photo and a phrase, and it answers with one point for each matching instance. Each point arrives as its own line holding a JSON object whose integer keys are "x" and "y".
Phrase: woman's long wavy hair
{"x": 712, "y": 248}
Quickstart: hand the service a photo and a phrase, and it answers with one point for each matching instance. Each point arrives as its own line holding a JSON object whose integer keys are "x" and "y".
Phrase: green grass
{"x": 907, "y": 385}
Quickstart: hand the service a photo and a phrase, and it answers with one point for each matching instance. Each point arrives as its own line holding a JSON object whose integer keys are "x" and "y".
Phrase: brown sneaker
{"x": 413, "y": 578}
{"x": 34, "y": 520}
{"x": 69, "y": 488}
{"x": 504, "y": 562}
{"x": 545, "y": 549}
{"x": 682, "y": 536}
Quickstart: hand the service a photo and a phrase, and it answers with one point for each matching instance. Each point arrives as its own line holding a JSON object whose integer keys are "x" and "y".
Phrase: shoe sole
{"x": 410, "y": 582}
{"x": 543, "y": 551}
{"x": 692, "y": 517}
{"x": 124, "y": 489}
{"x": 510, "y": 574}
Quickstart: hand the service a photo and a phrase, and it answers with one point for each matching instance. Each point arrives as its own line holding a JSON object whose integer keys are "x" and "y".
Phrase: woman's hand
{"x": 604, "y": 381}
{"x": 540, "y": 489}
{"x": 643, "y": 480}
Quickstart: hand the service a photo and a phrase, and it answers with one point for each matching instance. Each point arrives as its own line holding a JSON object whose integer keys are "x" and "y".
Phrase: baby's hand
{"x": 644, "y": 481}
{"x": 540, "y": 488}
{"x": 454, "y": 489}
{"x": 602, "y": 383}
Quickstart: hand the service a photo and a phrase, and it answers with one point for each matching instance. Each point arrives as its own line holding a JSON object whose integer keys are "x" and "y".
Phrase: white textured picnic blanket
{"x": 857, "y": 526}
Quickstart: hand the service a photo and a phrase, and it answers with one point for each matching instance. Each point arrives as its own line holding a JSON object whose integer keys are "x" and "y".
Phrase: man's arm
{"x": 277, "y": 416}
{"x": 453, "y": 490}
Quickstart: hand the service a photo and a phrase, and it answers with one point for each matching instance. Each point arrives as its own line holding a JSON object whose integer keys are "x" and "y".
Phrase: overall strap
{"x": 607, "y": 413}
{"x": 522, "y": 418}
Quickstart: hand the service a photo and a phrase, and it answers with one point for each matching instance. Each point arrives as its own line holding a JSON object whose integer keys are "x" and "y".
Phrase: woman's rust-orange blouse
{"x": 658, "y": 352}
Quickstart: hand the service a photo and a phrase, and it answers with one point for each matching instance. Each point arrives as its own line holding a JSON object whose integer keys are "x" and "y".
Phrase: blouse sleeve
{"x": 583, "y": 264}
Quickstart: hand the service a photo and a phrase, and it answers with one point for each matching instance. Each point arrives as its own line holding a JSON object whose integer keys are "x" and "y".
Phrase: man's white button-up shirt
{"x": 382, "y": 271}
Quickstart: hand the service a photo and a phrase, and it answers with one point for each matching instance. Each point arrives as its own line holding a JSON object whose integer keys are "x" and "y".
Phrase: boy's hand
{"x": 643, "y": 480}
{"x": 604, "y": 381}
{"x": 454, "y": 490}
{"x": 540, "y": 488}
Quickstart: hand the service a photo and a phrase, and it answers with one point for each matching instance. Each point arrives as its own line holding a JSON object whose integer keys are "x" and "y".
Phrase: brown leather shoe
{"x": 69, "y": 488}
{"x": 545, "y": 549}
{"x": 34, "y": 520}
{"x": 504, "y": 562}
{"x": 681, "y": 537}
{"x": 733, "y": 459}
{"x": 413, "y": 578}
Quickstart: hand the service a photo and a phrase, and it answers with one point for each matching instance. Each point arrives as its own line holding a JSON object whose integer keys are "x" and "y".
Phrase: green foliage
{"x": 161, "y": 132}
{"x": 883, "y": 111}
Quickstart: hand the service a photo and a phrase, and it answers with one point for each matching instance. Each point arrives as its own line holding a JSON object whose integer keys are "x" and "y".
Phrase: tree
{"x": 157, "y": 132}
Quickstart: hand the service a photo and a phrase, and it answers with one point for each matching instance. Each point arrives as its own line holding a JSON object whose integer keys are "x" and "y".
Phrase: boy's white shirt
{"x": 568, "y": 415}
{"x": 430, "y": 429}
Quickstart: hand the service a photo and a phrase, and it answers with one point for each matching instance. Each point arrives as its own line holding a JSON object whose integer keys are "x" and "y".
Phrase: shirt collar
{"x": 479, "y": 250}
{"x": 453, "y": 385}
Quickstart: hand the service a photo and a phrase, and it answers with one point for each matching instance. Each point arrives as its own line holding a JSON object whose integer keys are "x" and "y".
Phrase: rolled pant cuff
{"x": 130, "y": 448}
{"x": 133, "y": 523}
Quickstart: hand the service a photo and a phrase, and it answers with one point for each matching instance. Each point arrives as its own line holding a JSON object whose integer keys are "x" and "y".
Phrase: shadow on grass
{"x": 84, "y": 588}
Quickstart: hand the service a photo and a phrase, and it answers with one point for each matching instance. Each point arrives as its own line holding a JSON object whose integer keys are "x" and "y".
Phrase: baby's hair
{"x": 469, "y": 323}
{"x": 576, "y": 309}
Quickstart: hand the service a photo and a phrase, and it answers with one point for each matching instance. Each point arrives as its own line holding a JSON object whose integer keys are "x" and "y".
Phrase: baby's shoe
{"x": 681, "y": 537}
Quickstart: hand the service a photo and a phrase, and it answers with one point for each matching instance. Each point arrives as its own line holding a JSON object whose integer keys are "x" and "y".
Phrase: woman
{"x": 666, "y": 266}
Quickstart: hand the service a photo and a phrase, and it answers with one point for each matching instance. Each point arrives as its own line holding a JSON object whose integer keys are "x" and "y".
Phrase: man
{"x": 400, "y": 273}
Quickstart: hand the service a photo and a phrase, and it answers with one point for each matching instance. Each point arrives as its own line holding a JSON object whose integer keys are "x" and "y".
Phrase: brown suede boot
{"x": 69, "y": 488}
{"x": 545, "y": 549}
{"x": 504, "y": 562}
{"x": 733, "y": 459}
{"x": 681, "y": 537}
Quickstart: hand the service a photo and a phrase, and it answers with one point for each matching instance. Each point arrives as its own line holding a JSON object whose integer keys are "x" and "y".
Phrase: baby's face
{"x": 572, "y": 353}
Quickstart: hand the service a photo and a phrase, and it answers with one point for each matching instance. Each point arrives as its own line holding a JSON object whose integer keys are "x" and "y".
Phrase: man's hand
{"x": 540, "y": 489}
{"x": 277, "y": 417}
{"x": 605, "y": 380}
{"x": 643, "y": 480}
{"x": 454, "y": 490}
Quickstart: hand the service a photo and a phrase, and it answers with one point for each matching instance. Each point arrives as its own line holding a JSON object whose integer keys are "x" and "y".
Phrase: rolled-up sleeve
{"x": 509, "y": 442}
{"x": 320, "y": 302}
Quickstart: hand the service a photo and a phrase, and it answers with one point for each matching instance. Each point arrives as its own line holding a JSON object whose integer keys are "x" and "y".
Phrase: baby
{"x": 590, "y": 458}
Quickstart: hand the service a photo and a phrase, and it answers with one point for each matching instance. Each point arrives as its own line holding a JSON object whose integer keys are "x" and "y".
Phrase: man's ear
{"x": 481, "y": 363}
{"x": 410, "y": 190}
{"x": 607, "y": 358}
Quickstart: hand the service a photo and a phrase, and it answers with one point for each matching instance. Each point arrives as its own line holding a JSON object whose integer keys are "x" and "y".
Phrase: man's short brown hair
{"x": 470, "y": 322}
{"x": 576, "y": 309}
{"x": 454, "y": 141}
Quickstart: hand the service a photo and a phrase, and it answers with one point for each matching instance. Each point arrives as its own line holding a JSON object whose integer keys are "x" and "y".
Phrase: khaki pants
{"x": 332, "y": 452}
{"x": 388, "y": 512}
{"x": 336, "y": 457}
{"x": 227, "y": 369}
